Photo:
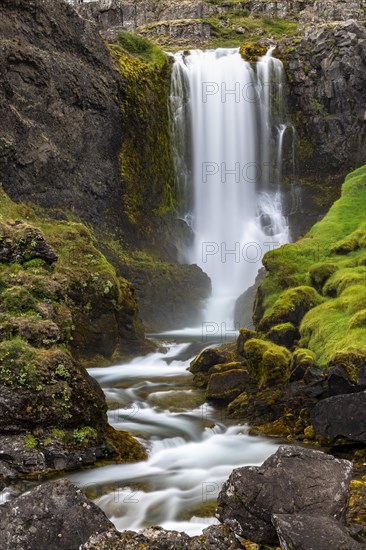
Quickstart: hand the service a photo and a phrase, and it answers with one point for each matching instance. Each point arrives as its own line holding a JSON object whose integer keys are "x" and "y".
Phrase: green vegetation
{"x": 231, "y": 27}
{"x": 330, "y": 258}
{"x": 146, "y": 157}
{"x": 58, "y": 295}
{"x": 267, "y": 362}
{"x": 142, "y": 48}
{"x": 87, "y": 434}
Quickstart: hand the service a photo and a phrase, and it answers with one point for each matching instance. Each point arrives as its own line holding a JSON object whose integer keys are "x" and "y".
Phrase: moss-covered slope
{"x": 329, "y": 263}
{"x": 61, "y": 303}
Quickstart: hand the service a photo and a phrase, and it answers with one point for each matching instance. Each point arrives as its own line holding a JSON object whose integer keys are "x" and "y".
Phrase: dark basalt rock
{"x": 210, "y": 357}
{"x": 20, "y": 242}
{"x": 306, "y": 532}
{"x": 215, "y": 537}
{"x": 227, "y": 385}
{"x": 54, "y": 515}
{"x": 292, "y": 481}
{"x": 341, "y": 418}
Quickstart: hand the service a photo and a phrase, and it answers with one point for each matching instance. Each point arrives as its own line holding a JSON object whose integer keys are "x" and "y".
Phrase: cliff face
{"x": 177, "y": 21}
{"x": 61, "y": 131}
{"x": 85, "y": 137}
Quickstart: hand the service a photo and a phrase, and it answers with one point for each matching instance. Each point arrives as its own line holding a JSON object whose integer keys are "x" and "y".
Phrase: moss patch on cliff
{"x": 146, "y": 157}
{"x": 233, "y": 28}
{"x": 60, "y": 299}
{"x": 328, "y": 258}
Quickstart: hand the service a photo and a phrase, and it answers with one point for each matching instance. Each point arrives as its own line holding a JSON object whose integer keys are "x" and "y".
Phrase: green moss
{"x": 290, "y": 306}
{"x": 30, "y": 441}
{"x": 358, "y": 320}
{"x": 85, "y": 435}
{"x": 142, "y": 48}
{"x": 303, "y": 357}
{"x": 343, "y": 279}
{"x": 252, "y": 52}
{"x": 320, "y": 273}
{"x": 330, "y": 257}
{"x": 352, "y": 242}
{"x": 146, "y": 157}
{"x": 267, "y": 362}
{"x": 284, "y": 334}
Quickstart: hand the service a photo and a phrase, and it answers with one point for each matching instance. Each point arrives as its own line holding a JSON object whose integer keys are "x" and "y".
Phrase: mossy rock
{"x": 227, "y": 385}
{"x": 127, "y": 447}
{"x": 358, "y": 320}
{"x": 343, "y": 279}
{"x": 353, "y": 362}
{"x": 356, "y": 506}
{"x": 212, "y": 356}
{"x": 302, "y": 360}
{"x": 352, "y": 242}
{"x": 252, "y": 52}
{"x": 320, "y": 273}
{"x": 285, "y": 334}
{"x": 223, "y": 367}
{"x": 268, "y": 363}
{"x": 290, "y": 307}
{"x": 244, "y": 335}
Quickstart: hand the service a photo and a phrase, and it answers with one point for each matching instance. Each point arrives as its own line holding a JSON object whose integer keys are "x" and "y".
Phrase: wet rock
{"x": 308, "y": 532}
{"x": 293, "y": 480}
{"x": 243, "y": 312}
{"x": 227, "y": 385}
{"x": 339, "y": 383}
{"x": 17, "y": 457}
{"x": 341, "y": 419}
{"x": 210, "y": 357}
{"x": 53, "y": 515}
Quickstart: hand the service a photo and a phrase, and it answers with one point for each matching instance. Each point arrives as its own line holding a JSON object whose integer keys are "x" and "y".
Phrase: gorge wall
{"x": 72, "y": 116}
{"x": 322, "y": 44}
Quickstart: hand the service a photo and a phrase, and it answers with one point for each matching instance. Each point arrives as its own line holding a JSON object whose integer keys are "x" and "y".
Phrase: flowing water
{"x": 230, "y": 175}
{"x": 192, "y": 447}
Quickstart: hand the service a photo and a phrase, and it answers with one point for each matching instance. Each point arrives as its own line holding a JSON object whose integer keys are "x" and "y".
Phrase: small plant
{"x": 30, "y": 441}
{"x": 62, "y": 371}
{"x": 85, "y": 435}
{"x": 107, "y": 288}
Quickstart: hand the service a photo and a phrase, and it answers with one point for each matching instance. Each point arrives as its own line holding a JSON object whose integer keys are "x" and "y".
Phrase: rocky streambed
{"x": 298, "y": 498}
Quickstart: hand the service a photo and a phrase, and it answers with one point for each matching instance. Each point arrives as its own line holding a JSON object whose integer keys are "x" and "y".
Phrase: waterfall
{"x": 231, "y": 119}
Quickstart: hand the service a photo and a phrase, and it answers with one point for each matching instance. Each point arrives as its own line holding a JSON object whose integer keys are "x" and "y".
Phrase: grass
{"x": 330, "y": 257}
{"x": 140, "y": 47}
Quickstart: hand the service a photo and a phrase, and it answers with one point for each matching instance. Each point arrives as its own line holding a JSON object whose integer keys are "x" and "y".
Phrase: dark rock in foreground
{"x": 53, "y": 516}
{"x": 215, "y": 537}
{"x": 305, "y": 532}
{"x": 341, "y": 418}
{"x": 294, "y": 480}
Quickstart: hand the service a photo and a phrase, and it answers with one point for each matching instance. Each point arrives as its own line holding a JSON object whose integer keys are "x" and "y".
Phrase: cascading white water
{"x": 236, "y": 115}
{"x": 192, "y": 448}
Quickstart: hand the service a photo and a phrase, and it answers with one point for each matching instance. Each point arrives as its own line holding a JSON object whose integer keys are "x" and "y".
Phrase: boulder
{"x": 210, "y": 357}
{"x": 292, "y": 481}
{"x": 55, "y": 515}
{"x": 307, "y": 532}
{"x": 341, "y": 418}
{"x": 227, "y": 385}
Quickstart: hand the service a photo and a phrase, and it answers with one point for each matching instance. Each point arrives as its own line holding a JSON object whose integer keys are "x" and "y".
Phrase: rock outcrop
{"x": 292, "y": 481}
{"x": 54, "y": 515}
{"x": 304, "y": 532}
{"x": 341, "y": 418}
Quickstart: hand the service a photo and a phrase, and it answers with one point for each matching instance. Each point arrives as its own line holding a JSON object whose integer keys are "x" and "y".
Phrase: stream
{"x": 192, "y": 447}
